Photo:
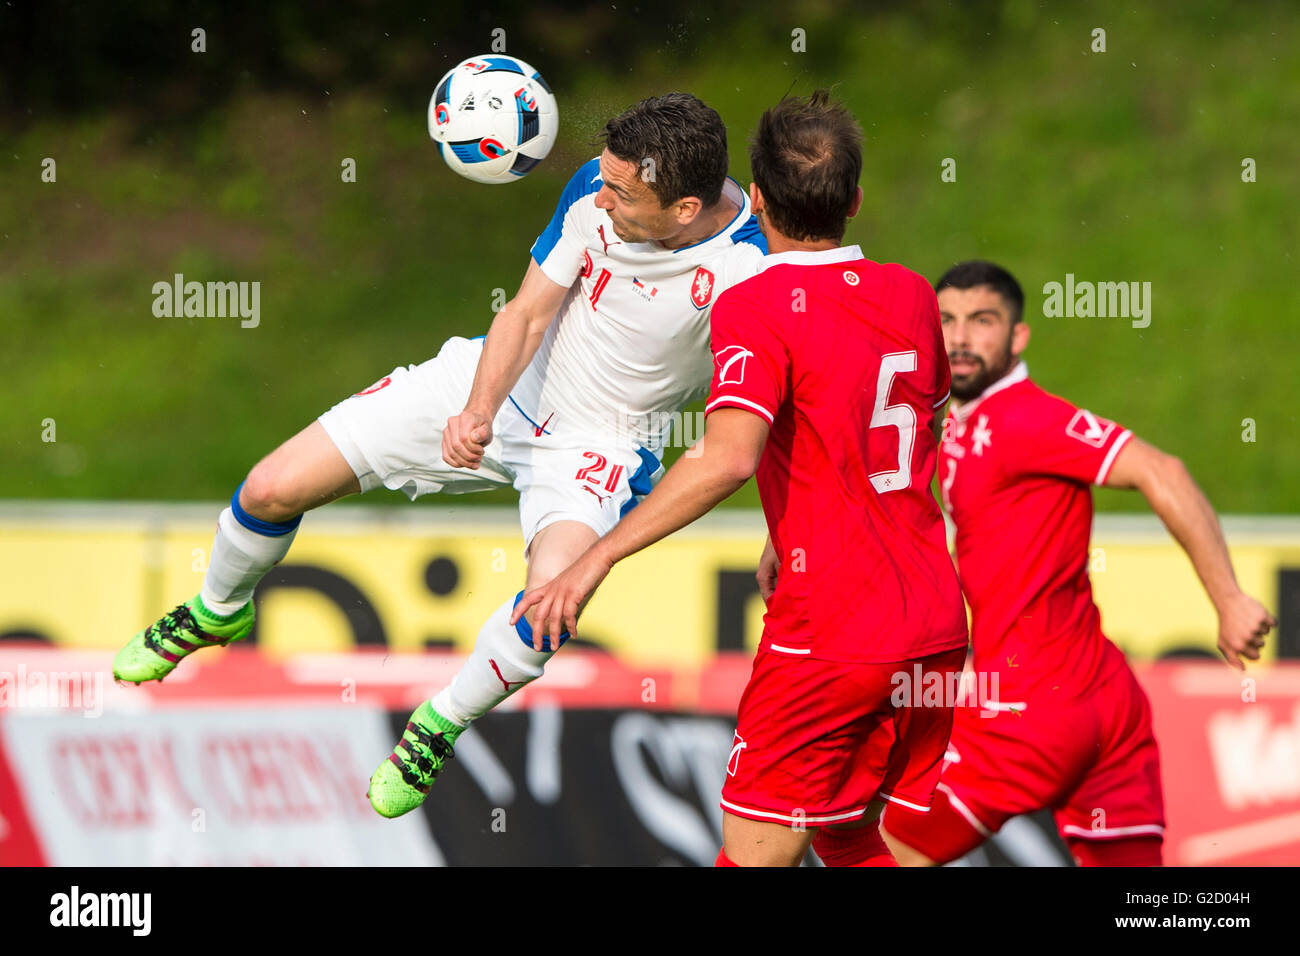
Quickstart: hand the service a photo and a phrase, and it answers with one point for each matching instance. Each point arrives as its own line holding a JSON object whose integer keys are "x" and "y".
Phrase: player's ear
{"x": 856, "y": 204}
{"x": 755, "y": 198}
{"x": 688, "y": 209}
{"x": 1019, "y": 338}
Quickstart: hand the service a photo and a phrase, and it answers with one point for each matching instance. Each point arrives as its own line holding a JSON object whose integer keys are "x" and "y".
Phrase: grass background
{"x": 1117, "y": 166}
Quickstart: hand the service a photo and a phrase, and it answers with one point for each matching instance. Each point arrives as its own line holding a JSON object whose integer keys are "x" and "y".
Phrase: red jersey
{"x": 844, "y": 358}
{"x": 1017, "y": 466}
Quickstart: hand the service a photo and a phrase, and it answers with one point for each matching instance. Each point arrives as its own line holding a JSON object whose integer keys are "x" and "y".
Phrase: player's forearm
{"x": 692, "y": 487}
{"x": 1174, "y": 496}
{"x": 511, "y": 342}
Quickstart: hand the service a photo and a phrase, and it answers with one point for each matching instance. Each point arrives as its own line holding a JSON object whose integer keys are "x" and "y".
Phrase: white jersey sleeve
{"x": 559, "y": 249}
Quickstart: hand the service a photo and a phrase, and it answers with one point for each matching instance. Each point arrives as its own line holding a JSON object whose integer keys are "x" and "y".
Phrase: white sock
{"x": 499, "y": 659}
{"x": 240, "y": 558}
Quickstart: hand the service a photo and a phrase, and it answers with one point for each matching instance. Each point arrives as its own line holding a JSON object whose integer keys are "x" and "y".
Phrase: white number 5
{"x": 901, "y": 416}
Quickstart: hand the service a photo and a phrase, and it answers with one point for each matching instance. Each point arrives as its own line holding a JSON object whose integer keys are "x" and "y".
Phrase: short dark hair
{"x": 685, "y": 140}
{"x": 806, "y": 157}
{"x": 977, "y": 272}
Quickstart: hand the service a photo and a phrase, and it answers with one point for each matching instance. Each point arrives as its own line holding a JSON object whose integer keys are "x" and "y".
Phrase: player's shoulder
{"x": 740, "y": 240}
{"x": 1027, "y": 408}
{"x": 748, "y": 240}
{"x": 894, "y": 272}
{"x": 584, "y": 182}
{"x": 742, "y": 261}
{"x": 740, "y": 303}
{"x": 742, "y": 278}
{"x": 748, "y": 306}
{"x": 572, "y": 212}
{"x": 894, "y": 278}
{"x": 1041, "y": 425}
{"x": 889, "y": 285}
{"x": 735, "y": 255}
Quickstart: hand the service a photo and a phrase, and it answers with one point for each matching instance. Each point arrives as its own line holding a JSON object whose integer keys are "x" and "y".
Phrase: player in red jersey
{"x": 1071, "y": 727}
{"x": 828, "y": 371}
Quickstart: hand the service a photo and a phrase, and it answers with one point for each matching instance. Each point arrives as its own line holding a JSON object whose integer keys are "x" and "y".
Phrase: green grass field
{"x": 1116, "y": 166}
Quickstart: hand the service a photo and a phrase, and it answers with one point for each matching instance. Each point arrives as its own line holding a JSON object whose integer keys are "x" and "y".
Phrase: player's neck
{"x": 777, "y": 243}
{"x": 956, "y": 403}
{"x": 708, "y": 223}
{"x": 775, "y": 246}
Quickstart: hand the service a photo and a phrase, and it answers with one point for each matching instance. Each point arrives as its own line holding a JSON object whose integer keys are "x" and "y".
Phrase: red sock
{"x": 723, "y": 859}
{"x": 861, "y": 847}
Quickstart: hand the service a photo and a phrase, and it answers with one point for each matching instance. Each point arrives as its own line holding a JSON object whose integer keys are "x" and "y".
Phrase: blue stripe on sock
{"x": 272, "y": 529}
{"x": 525, "y": 630}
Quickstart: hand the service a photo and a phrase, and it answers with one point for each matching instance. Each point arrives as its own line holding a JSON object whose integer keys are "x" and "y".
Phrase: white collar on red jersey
{"x": 1018, "y": 374}
{"x": 811, "y": 257}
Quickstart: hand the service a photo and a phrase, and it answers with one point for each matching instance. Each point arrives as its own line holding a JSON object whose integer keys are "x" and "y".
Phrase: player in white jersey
{"x": 565, "y": 398}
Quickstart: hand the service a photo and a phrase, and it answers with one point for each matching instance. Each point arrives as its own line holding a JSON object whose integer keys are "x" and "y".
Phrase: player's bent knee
{"x": 266, "y": 494}
{"x": 305, "y": 472}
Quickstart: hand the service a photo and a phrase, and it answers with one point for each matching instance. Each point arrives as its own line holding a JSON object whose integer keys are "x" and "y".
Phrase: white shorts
{"x": 391, "y": 435}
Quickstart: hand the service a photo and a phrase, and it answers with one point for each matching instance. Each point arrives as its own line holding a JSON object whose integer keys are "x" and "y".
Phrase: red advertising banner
{"x": 241, "y": 760}
{"x": 1230, "y": 760}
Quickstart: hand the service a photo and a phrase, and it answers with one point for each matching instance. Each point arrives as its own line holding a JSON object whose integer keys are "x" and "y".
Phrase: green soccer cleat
{"x": 154, "y": 652}
{"x": 403, "y": 780}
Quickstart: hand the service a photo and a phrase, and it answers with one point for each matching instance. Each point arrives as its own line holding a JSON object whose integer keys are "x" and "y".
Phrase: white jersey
{"x": 630, "y": 345}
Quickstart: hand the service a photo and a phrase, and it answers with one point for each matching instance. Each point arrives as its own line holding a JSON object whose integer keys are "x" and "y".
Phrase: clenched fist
{"x": 1243, "y": 625}
{"x": 465, "y": 438}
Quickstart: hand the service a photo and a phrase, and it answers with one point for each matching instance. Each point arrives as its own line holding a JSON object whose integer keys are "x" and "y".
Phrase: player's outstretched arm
{"x": 1173, "y": 495}
{"x": 511, "y": 343}
{"x": 730, "y": 450}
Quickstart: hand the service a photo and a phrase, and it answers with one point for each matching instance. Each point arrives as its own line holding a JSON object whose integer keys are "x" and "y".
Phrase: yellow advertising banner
{"x": 421, "y": 576}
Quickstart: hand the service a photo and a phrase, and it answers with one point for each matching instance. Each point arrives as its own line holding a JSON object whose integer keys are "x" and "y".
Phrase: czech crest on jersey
{"x": 702, "y": 287}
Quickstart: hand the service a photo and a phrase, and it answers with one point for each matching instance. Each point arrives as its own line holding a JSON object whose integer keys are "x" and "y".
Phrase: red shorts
{"x": 1090, "y": 756}
{"x": 816, "y": 741}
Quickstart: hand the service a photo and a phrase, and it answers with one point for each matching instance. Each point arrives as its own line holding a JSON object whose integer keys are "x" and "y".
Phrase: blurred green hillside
{"x": 1117, "y": 166}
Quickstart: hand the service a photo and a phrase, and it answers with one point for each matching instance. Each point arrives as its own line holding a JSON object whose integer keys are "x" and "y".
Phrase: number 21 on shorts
{"x": 592, "y": 472}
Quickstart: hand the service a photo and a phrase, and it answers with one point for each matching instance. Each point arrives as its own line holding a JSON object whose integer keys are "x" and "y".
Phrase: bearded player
{"x": 1071, "y": 730}
{"x": 566, "y": 399}
{"x": 829, "y": 371}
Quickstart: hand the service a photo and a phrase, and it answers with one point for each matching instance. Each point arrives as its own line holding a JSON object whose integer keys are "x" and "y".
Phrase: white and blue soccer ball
{"x": 493, "y": 118}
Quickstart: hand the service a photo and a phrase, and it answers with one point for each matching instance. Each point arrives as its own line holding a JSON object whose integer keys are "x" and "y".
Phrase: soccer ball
{"x": 493, "y": 118}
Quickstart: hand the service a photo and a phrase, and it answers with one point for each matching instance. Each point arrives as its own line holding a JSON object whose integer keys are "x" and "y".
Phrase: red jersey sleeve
{"x": 751, "y": 364}
{"x": 1058, "y": 439}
